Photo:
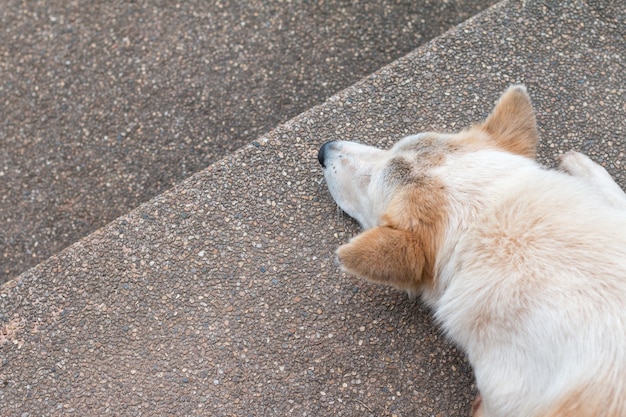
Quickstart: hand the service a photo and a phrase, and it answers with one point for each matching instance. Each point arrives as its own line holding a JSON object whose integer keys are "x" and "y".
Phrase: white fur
{"x": 559, "y": 305}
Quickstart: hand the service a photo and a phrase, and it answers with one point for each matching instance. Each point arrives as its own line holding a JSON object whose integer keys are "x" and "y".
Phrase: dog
{"x": 524, "y": 267}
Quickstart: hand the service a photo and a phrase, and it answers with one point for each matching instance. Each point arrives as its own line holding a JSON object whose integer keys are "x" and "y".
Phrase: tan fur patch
{"x": 605, "y": 404}
{"x": 402, "y": 250}
{"x": 512, "y": 124}
{"x": 417, "y": 157}
{"x": 477, "y": 407}
{"x": 472, "y": 140}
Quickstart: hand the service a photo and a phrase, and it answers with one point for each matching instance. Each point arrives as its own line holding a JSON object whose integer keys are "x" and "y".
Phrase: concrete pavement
{"x": 221, "y": 296}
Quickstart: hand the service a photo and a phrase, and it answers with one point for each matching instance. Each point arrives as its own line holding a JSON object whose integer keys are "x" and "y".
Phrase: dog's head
{"x": 410, "y": 196}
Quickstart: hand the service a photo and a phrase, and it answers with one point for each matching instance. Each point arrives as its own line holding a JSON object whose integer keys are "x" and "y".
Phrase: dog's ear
{"x": 512, "y": 123}
{"x": 385, "y": 255}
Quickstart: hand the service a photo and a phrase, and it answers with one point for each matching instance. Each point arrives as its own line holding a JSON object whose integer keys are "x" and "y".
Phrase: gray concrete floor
{"x": 105, "y": 104}
{"x": 221, "y": 297}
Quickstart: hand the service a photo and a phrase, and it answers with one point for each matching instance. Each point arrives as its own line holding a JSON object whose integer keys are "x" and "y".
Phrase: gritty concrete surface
{"x": 221, "y": 297}
{"x": 104, "y": 104}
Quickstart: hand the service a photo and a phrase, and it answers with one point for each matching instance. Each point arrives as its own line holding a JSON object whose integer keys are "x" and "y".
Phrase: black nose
{"x": 321, "y": 154}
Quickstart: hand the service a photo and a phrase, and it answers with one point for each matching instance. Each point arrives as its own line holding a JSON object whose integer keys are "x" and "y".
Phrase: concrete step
{"x": 221, "y": 296}
{"x": 104, "y": 105}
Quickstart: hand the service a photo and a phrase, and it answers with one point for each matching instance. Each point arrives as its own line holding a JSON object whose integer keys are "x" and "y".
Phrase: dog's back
{"x": 537, "y": 296}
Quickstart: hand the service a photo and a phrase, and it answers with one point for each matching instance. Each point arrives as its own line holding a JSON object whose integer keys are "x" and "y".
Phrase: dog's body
{"x": 524, "y": 267}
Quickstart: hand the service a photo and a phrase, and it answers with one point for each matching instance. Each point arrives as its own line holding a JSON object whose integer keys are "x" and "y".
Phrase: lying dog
{"x": 524, "y": 267}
